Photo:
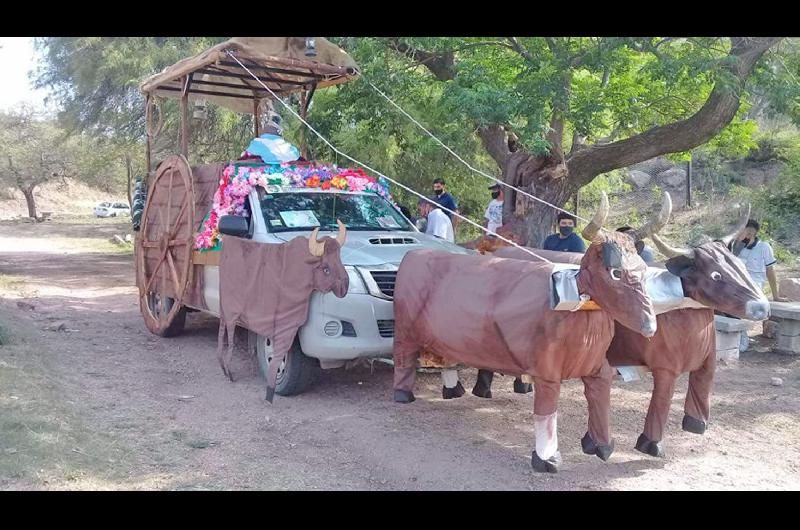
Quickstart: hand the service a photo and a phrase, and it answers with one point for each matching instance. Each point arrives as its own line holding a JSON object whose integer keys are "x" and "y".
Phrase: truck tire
{"x": 298, "y": 371}
{"x": 178, "y": 321}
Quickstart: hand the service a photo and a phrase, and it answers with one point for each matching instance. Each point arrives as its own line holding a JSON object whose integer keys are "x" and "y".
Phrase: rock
{"x": 790, "y": 288}
{"x": 639, "y": 178}
{"x": 128, "y": 238}
{"x": 26, "y": 306}
{"x": 770, "y": 329}
{"x": 654, "y": 166}
{"x": 117, "y": 240}
{"x": 674, "y": 177}
{"x": 777, "y": 381}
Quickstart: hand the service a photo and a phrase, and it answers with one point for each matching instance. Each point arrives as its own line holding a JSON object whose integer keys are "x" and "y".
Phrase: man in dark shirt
{"x": 566, "y": 240}
{"x": 443, "y": 198}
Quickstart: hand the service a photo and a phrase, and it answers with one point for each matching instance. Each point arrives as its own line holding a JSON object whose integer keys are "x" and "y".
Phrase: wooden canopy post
{"x": 305, "y": 101}
{"x": 148, "y": 134}
{"x": 257, "y": 125}
{"x": 185, "y": 116}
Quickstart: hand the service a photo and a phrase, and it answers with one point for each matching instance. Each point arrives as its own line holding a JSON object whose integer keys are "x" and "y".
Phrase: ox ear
{"x": 680, "y": 266}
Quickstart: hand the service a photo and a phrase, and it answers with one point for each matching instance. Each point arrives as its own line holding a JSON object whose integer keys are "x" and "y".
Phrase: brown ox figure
{"x": 266, "y": 288}
{"x": 686, "y": 341}
{"x": 495, "y": 313}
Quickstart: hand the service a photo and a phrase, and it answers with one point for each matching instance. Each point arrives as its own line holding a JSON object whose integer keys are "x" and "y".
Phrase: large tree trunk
{"x": 30, "y": 200}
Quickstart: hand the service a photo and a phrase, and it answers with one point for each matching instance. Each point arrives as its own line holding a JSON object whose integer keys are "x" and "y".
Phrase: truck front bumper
{"x": 343, "y": 329}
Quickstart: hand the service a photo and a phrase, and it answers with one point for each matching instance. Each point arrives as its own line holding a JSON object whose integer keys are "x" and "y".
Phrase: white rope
{"x": 345, "y": 155}
{"x": 498, "y": 181}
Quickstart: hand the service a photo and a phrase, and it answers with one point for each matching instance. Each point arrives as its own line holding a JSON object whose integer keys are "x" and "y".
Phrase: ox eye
{"x": 616, "y": 274}
{"x": 716, "y": 276}
{"x": 326, "y": 270}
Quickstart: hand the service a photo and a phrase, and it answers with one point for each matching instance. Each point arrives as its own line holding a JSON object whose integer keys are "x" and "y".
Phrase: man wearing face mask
{"x": 566, "y": 240}
{"x": 444, "y": 199}
{"x": 493, "y": 218}
{"x": 758, "y": 257}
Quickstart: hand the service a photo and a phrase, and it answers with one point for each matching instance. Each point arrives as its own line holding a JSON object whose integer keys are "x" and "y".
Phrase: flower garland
{"x": 238, "y": 180}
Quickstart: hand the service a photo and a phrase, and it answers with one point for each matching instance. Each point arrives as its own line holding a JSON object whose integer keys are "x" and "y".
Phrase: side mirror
{"x": 234, "y": 225}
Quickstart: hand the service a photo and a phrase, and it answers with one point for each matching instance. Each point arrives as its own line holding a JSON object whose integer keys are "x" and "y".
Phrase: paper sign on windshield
{"x": 299, "y": 218}
{"x": 387, "y": 222}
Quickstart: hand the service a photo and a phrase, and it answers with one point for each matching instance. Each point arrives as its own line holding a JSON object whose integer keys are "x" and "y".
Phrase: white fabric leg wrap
{"x": 449, "y": 378}
{"x": 546, "y": 430}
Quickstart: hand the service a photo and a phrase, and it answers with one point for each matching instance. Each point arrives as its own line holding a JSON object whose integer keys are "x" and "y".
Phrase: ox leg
{"x": 451, "y": 386}
{"x": 522, "y": 388}
{"x": 546, "y": 457}
{"x": 649, "y": 441}
{"x": 225, "y": 348}
{"x": 405, "y": 370}
{"x": 483, "y": 386}
{"x": 597, "y": 389}
{"x": 698, "y": 398}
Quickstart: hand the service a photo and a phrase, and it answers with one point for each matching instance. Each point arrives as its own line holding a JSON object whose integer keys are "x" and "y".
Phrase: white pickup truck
{"x": 360, "y": 325}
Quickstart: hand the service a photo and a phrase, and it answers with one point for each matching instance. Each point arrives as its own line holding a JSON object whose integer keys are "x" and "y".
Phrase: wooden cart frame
{"x": 164, "y": 244}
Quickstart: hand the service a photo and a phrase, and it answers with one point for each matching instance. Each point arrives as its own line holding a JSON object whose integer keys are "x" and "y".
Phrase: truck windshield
{"x": 284, "y": 212}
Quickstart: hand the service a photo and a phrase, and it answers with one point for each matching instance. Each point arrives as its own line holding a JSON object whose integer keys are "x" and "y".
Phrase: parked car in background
{"x": 111, "y": 209}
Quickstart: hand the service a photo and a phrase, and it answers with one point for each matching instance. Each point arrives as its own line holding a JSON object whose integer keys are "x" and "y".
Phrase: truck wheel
{"x": 159, "y": 307}
{"x": 297, "y": 372}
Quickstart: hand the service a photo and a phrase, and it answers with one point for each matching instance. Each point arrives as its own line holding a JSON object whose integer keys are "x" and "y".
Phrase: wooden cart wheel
{"x": 164, "y": 252}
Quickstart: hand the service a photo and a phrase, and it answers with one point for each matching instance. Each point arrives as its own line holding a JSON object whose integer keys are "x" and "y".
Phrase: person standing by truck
{"x": 445, "y": 200}
{"x": 493, "y": 217}
{"x": 438, "y": 224}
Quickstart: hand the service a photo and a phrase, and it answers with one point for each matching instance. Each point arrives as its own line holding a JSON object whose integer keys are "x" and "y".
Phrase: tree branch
{"x": 440, "y": 64}
{"x": 495, "y": 141}
{"x": 520, "y": 49}
{"x": 717, "y": 112}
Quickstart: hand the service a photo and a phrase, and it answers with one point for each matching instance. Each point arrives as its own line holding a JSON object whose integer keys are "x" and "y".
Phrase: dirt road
{"x": 90, "y": 400}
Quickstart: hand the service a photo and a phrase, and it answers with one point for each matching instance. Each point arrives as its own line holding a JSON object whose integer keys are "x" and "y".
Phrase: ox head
{"x": 613, "y": 274}
{"x": 713, "y": 276}
{"x": 329, "y": 273}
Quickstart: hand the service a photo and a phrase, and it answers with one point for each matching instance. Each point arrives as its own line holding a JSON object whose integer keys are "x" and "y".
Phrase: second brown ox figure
{"x": 495, "y": 314}
{"x": 685, "y": 340}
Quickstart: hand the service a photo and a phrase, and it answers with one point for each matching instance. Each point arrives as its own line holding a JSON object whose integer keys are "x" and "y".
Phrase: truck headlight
{"x": 357, "y": 285}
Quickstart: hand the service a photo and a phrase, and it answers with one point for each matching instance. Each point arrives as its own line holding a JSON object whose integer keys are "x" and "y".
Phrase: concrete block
{"x": 788, "y": 344}
{"x": 727, "y": 341}
{"x": 728, "y": 325}
{"x": 785, "y": 310}
{"x": 728, "y": 357}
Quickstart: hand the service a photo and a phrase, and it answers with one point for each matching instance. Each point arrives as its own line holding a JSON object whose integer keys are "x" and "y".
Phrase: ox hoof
{"x": 546, "y": 466}
{"x": 404, "y": 396}
{"x": 591, "y": 448}
{"x": 649, "y": 447}
{"x": 693, "y": 425}
{"x": 522, "y": 388}
{"x": 455, "y": 392}
{"x": 482, "y": 391}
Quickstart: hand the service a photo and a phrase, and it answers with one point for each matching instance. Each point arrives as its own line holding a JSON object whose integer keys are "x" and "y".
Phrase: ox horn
{"x": 743, "y": 218}
{"x": 342, "y": 235}
{"x": 599, "y": 218}
{"x": 671, "y": 252}
{"x": 658, "y": 222}
{"x": 316, "y": 248}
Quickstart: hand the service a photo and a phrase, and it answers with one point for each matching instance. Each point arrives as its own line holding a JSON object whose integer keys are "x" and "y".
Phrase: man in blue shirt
{"x": 566, "y": 240}
{"x": 443, "y": 198}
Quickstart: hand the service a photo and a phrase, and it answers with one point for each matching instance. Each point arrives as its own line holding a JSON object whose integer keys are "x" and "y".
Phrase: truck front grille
{"x": 385, "y": 281}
